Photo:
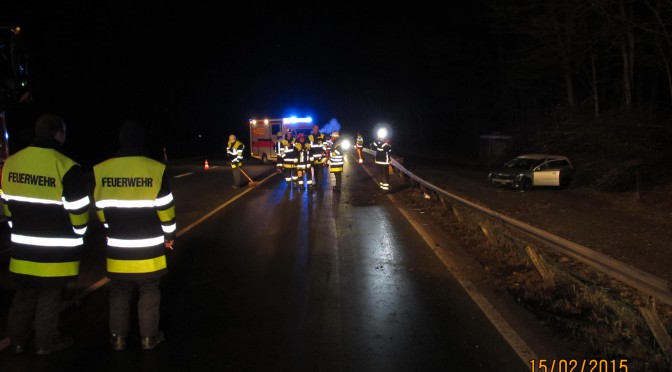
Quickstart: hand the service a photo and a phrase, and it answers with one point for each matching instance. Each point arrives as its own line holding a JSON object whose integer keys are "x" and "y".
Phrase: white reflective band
{"x": 30, "y": 200}
{"x": 106, "y": 225}
{"x": 80, "y": 231}
{"x": 134, "y": 243}
{"x": 10, "y": 224}
{"x": 170, "y": 228}
{"x": 47, "y": 242}
{"x": 160, "y": 202}
{"x": 125, "y": 203}
{"x": 81, "y": 203}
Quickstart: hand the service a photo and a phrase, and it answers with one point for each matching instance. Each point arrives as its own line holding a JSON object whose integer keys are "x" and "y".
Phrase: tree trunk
{"x": 596, "y": 98}
{"x": 627, "y": 53}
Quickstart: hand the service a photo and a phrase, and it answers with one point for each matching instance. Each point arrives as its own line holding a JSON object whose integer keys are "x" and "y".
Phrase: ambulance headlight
{"x": 345, "y": 144}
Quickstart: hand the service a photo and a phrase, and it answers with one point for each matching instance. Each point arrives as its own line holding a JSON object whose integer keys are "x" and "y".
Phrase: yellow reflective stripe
{"x": 79, "y": 230}
{"x": 7, "y": 212}
{"x": 43, "y": 269}
{"x": 166, "y": 215}
{"x": 136, "y": 266}
{"x": 47, "y": 242}
{"x": 134, "y": 243}
{"x": 169, "y": 229}
{"x": 31, "y": 200}
{"x": 78, "y": 204}
{"x": 125, "y": 203}
{"x": 160, "y": 202}
{"x": 79, "y": 219}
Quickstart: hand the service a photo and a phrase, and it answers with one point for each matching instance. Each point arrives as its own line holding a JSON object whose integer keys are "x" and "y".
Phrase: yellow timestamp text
{"x": 579, "y": 365}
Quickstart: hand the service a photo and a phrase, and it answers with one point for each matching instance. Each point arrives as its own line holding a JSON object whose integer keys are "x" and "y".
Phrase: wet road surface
{"x": 272, "y": 278}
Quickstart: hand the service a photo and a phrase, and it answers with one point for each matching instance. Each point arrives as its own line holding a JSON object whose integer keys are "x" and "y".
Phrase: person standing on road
{"x": 135, "y": 204}
{"x": 47, "y": 208}
{"x": 316, "y": 140}
{"x": 359, "y": 146}
{"x": 278, "y": 153}
{"x": 303, "y": 165}
{"x": 234, "y": 151}
{"x": 383, "y": 148}
{"x": 336, "y": 160}
{"x": 290, "y": 158}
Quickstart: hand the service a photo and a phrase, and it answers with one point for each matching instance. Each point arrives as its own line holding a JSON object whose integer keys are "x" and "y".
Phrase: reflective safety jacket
{"x": 47, "y": 207}
{"x": 359, "y": 142}
{"x": 234, "y": 151}
{"x": 278, "y": 153}
{"x": 289, "y": 154}
{"x": 303, "y": 151}
{"x": 135, "y": 204}
{"x": 336, "y": 158}
{"x": 383, "y": 149}
{"x": 317, "y": 150}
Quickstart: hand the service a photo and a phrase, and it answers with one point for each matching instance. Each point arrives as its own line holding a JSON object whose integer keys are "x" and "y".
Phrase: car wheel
{"x": 525, "y": 184}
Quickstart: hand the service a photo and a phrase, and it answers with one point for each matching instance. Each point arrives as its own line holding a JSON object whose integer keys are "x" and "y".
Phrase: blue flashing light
{"x": 295, "y": 120}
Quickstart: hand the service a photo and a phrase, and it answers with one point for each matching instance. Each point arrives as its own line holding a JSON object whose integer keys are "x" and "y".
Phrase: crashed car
{"x": 533, "y": 170}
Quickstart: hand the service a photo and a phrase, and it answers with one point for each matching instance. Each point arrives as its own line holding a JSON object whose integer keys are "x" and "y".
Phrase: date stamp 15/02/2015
{"x": 579, "y": 365}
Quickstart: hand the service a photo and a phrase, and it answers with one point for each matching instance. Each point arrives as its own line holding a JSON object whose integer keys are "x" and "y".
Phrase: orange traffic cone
{"x": 206, "y": 164}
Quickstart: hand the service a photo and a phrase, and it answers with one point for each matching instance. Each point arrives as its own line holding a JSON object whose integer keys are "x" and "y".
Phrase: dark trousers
{"x": 318, "y": 174}
{"x": 383, "y": 174}
{"x": 338, "y": 177}
{"x": 35, "y": 305}
{"x": 290, "y": 174}
{"x": 236, "y": 175}
{"x": 149, "y": 301}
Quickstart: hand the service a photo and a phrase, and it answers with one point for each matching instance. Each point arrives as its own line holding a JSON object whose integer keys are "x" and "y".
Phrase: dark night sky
{"x": 193, "y": 74}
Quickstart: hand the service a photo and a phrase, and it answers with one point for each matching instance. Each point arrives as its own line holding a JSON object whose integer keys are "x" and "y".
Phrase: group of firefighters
{"x": 302, "y": 158}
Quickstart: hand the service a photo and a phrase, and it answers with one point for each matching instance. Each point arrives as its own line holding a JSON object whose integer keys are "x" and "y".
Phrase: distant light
{"x": 6, "y": 135}
{"x": 295, "y": 120}
{"x": 345, "y": 144}
{"x": 382, "y": 133}
{"x": 266, "y": 121}
{"x": 253, "y": 122}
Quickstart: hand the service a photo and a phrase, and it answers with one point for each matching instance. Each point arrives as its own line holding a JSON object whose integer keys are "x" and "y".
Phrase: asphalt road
{"x": 270, "y": 278}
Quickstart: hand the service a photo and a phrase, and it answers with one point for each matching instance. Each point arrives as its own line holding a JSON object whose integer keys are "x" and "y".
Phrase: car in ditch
{"x": 527, "y": 171}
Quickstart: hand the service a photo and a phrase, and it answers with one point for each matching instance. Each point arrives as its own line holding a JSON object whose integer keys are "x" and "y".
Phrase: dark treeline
{"x": 584, "y": 77}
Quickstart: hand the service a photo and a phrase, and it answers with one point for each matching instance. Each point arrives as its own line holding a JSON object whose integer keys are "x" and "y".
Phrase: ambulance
{"x": 264, "y": 134}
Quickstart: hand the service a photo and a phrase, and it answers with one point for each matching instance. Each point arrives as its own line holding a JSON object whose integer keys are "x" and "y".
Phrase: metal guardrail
{"x": 636, "y": 278}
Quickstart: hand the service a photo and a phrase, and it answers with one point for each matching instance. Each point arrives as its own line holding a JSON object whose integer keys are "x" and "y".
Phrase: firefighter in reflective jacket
{"x": 234, "y": 152}
{"x": 135, "y": 204}
{"x": 290, "y": 158}
{"x": 278, "y": 153}
{"x": 317, "y": 153}
{"x": 335, "y": 160}
{"x": 302, "y": 147}
{"x": 359, "y": 146}
{"x": 47, "y": 208}
{"x": 382, "y": 147}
